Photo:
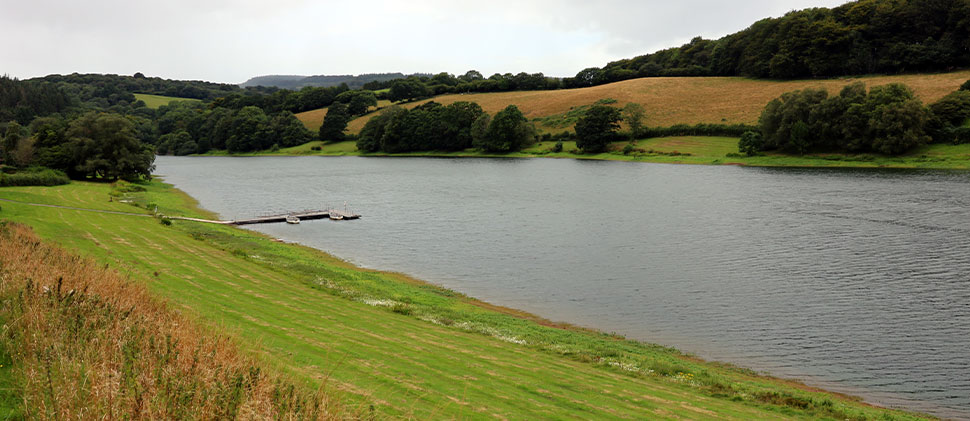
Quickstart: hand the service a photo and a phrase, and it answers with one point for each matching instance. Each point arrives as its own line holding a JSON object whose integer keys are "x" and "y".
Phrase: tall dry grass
{"x": 87, "y": 343}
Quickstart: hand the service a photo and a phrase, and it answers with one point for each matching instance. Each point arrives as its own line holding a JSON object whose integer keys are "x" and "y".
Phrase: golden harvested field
{"x": 690, "y": 100}
{"x": 314, "y": 118}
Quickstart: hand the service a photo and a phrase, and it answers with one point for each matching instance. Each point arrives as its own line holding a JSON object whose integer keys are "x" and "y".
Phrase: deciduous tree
{"x": 597, "y": 128}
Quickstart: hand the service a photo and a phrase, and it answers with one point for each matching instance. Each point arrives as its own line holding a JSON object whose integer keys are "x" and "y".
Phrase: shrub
{"x": 953, "y": 108}
{"x": 34, "y": 177}
{"x": 401, "y": 308}
{"x": 702, "y": 129}
{"x": 961, "y": 135}
{"x": 557, "y": 147}
{"x": 751, "y": 143}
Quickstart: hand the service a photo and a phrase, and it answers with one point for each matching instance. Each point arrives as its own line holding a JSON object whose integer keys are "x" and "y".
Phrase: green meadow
{"x": 394, "y": 345}
{"x": 155, "y": 101}
{"x": 680, "y": 150}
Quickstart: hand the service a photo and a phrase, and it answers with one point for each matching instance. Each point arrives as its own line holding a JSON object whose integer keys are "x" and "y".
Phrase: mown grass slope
{"x": 403, "y": 347}
{"x": 155, "y": 101}
{"x": 676, "y": 100}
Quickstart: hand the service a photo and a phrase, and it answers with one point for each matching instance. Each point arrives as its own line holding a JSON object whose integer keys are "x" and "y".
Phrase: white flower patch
{"x": 379, "y": 303}
{"x": 326, "y": 283}
{"x": 432, "y": 319}
{"x": 511, "y": 339}
{"x": 624, "y": 366}
{"x": 490, "y": 331}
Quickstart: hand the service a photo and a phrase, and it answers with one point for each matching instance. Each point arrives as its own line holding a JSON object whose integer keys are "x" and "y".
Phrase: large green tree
{"x": 288, "y": 130}
{"x": 888, "y": 119}
{"x": 358, "y": 101}
{"x": 457, "y": 119}
{"x": 334, "y": 123}
{"x": 897, "y": 120}
{"x": 371, "y": 135}
{"x": 105, "y": 147}
{"x": 407, "y": 89}
{"x": 11, "y": 137}
{"x": 953, "y": 109}
{"x": 782, "y": 114}
{"x": 508, "y": 131}
{"x": 597, "y": 128}
{"x": 249, "y": 131}
{"x": 633, "y": 114}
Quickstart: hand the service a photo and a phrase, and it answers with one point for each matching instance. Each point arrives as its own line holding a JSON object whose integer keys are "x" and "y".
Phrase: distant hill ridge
{"x": 325, "y": 81}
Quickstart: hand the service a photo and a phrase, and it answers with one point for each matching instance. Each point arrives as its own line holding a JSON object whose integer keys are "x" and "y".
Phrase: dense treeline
{"x": 184, "y": 128}
{"x": 81, "y": 130}
{"x": 455, "y": 127}
{"x": 273, "y": 100}
{"x": 421, "y": 86}
{"x": 92, "y": 145}
{"x": 104, "y": 86}
{"x": 886, "y": 119}
{"x": 21, "y": 101}
{"x": 324, "y": 81}
{"x": 860, "y": 37}
{"x": 247, "y": 123}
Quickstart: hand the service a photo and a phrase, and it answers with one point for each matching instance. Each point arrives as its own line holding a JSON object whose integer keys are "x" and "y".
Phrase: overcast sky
{"x": 233, "y": 40}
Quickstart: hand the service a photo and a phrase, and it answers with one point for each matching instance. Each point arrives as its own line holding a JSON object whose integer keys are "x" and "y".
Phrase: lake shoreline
{"x": 696, "y": 150}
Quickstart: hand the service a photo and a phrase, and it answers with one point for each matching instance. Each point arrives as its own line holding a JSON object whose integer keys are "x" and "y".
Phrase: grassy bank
{"x": 81, "y": 340}
{"x": 395, "y": 344}
{"x": 674, "y": 100}
{"x": 701, "y": 150}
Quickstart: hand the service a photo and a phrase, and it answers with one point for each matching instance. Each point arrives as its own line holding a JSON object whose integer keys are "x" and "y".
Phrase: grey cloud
{"x": 229, "y": 41}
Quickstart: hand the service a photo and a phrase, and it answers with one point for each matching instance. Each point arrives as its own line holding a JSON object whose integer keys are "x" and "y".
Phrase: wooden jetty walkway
{"x": 304, "y": 216}
{"x": 269, "y": 219}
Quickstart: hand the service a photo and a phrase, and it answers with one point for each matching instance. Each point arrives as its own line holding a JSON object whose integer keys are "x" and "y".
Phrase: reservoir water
{"x": 857, "y": 281}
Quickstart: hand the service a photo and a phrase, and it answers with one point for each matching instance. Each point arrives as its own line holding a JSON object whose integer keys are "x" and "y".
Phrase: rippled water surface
{"x": 857, "y": 281}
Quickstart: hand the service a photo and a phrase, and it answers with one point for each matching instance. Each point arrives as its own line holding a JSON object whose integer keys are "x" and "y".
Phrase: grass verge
{"x": 398, "y": 345}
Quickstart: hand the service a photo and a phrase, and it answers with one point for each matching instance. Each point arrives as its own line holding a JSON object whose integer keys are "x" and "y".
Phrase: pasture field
{"x": 390, "y": 344}
{"x": 673, "y": 100}
{"x": 155, "y": 101}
